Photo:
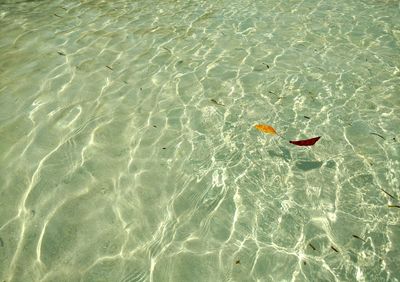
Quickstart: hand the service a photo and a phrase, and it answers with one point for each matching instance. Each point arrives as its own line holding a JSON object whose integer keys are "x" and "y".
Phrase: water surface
{"x": 128, "y": 149}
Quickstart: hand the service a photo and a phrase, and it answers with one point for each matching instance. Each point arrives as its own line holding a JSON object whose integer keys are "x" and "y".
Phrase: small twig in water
{"x": 165, "y": 48}
{"x": 391, "y": 196}
{"x": 373, "y": 133}
{"x": 266, "y": 65}
{"x": 355, "y": 236}
{"x": 216, "y": 102}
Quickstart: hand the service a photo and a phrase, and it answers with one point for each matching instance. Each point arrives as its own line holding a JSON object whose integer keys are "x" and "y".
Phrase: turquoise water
{"x": 129, "y": 153}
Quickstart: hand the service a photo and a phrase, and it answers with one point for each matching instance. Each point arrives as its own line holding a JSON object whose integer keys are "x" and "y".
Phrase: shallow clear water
{"x": 128, "y": 149}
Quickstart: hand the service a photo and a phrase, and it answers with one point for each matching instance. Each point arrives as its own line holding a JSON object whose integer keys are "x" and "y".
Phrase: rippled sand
{"x": 128, "y": 149}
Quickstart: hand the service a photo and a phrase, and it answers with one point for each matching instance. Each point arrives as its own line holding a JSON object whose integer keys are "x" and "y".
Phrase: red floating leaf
{"x": 306, "y": 142}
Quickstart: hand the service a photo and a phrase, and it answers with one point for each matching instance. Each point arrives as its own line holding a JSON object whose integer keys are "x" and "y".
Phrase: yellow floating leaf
{"x": 266, "y": 128}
